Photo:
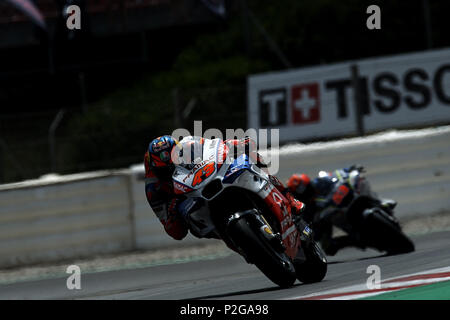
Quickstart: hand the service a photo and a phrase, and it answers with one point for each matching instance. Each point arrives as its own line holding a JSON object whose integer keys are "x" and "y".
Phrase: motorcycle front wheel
{"x": 276, "y": 266}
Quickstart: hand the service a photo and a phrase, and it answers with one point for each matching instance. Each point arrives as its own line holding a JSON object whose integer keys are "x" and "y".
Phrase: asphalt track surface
{"x": 232, "y": 278}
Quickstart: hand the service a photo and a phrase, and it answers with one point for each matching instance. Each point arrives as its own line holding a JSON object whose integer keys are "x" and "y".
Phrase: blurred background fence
{"x": 91, "y": 99}
{"x": 67, "y": 141}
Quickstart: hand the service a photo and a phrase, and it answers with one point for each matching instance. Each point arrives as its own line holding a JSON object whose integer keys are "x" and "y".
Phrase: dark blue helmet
{"x": 160, "y": 151}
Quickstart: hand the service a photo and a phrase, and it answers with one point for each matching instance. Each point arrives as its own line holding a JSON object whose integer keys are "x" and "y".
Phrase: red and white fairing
{"x": 281, "y": 208}
{"x": 211, "y": 162}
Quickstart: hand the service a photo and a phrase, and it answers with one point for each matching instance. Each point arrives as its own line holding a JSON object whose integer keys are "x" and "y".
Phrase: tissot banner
{"x": 397, "y": 91}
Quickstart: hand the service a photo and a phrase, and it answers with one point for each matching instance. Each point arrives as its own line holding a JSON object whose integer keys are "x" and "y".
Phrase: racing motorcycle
{"x": 228, "y": 197}
{"x": 349, "y": 203}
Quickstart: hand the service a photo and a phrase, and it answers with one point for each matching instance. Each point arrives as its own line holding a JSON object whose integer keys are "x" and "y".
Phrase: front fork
{"x": 260, "y": 223}
{"x": 306, "y": 233}
{"x": 306, "y": 239}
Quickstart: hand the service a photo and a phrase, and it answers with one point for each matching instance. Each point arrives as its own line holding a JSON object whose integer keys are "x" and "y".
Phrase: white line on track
{"x": 387, "y": 285}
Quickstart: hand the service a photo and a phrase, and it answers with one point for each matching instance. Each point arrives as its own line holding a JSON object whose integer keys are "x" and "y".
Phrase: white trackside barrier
{"x": 80, "y": 215}
{"x": 61, "y": 220}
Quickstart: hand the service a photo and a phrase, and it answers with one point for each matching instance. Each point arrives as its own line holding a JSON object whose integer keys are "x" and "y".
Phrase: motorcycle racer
{"x": 159, "y": 166}
{"x": 314, "y": 193}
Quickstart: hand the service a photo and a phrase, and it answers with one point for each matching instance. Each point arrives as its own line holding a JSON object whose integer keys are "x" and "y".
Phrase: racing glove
{"x": 175, "y": 226}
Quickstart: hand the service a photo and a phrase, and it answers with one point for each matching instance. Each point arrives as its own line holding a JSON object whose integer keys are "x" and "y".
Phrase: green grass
{"x": 435, "y": 291}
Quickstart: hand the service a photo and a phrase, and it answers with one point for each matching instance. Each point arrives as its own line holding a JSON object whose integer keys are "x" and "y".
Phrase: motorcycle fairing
{"x": 239, "y": 173}
{"x": 193, "y": 175}
{"x": 237, "y": 168}
{"x": 280, "y": 206}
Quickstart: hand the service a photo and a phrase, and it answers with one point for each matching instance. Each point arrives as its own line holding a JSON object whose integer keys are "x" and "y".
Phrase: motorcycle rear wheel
{"x": 388, "y": 236}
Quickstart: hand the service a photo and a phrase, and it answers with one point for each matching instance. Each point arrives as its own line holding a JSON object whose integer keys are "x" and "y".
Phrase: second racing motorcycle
{"x": 348, "y": 202}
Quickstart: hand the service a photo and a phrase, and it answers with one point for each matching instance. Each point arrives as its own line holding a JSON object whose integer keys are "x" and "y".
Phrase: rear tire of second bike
{"x": 393, "y": 240}
{"x": 276, "y": 266}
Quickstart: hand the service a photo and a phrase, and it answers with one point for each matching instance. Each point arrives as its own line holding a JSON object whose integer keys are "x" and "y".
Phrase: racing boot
{"x": 297, "y": 207}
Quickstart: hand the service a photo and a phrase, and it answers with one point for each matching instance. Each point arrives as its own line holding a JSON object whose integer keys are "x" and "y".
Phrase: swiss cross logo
{"x": 305, "y": 103}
